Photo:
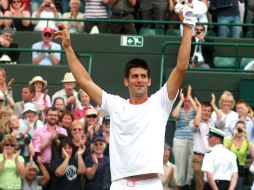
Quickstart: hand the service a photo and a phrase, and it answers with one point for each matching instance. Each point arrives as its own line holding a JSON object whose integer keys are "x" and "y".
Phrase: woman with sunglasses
{"x": 240, "y": 145}
{"x": 17, "y": 10}
{"x": 67, "y": 168}
{"x": 97, "y": 164}
{"x": 12, "y": 168}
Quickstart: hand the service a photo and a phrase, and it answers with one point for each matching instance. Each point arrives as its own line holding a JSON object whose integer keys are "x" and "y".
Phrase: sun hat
{"x": 68, "y": 77}
{"x": 29, "y": 107}
{"x": 38, "y": 79}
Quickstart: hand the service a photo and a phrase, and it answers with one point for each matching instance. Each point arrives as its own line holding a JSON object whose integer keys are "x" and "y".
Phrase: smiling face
{"x": 138, "y": 82}
{"x": 206, "y": 112}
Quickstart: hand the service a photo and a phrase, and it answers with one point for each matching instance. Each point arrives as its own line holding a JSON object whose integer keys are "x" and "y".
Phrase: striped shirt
{"x": 96, "y": 9}
{"x": 182, "y": 124}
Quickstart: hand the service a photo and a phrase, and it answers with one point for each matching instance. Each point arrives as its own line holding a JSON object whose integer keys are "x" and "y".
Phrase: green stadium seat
{"x": 210, "y": 33}
{"x": 224, "y": 62}
{"x": 173, "y": 32}
{"x": 245, "y": 61}
{"x": 151, "y": 31}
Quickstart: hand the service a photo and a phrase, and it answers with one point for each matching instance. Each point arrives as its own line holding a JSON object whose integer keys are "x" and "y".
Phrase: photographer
{"x": 201, "y": 55}
{"x": 46, "y": 10}
{"x": 240, "y": 145}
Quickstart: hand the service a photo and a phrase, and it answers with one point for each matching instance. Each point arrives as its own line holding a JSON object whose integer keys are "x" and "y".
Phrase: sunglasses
{"x": 91, "y": 116}
{"x": 16, "y": 1}
{"x": 12, "y": 145}
{"x": 199, "y": 30}
{"x": 77, "y": 129}
{"x": 47, "y": 34}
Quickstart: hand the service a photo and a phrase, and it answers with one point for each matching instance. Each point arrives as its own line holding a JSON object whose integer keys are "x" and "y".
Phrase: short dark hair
{"x": 51, "y": 109}
{"x": 31, "y": 88}
{"x": 135, "y": 63}
{"x": 207, "y": 104}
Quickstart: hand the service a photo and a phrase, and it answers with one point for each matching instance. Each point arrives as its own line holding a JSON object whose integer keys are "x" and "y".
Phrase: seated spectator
{"x": 6, "y": 41}
{"x": 44, "y": 137}
{"x": 123, "y": 10}
{"x": 201, "y": 55}
{"x": 23, "y": 138}
{"x": 30, "y": 121}
{"x": 32, "y": 178}
{"x": 80, "y": 111}
{"x": 12, "y": 167}
{"x": 65, "y": 121}
{"x": 68, "y": 93}
{"x": 74, "y": 27}
{"x": 97, "y": 164}
{"x": 17, "y": 10}
{"x": 96, "y": 9}
{"x": 6, "y": 90}
{"x": 47, "y": 9}
{"x": 41, "y": 97}
{"x": 27, "y": 94}
{"x": 59, "y": 104}
{"x": 46, "y": 58}
{"x": 240, "y": 145}
{"x": 67, "y": 168}
{"x": 169, "y": 177}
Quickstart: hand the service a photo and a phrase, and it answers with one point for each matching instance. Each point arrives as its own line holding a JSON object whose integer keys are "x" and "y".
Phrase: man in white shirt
{"x": 135, "y": 159}
{"x": 219, "y": 164}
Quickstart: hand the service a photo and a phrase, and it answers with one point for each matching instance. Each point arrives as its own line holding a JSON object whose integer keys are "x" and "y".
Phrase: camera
{"x": 239, "y": 130}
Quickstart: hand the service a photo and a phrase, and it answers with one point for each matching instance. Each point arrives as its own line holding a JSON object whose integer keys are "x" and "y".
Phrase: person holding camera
{"x": 240, "y": 144}
{"x": 201, "y": 55}
{"x": 47, "y": 9}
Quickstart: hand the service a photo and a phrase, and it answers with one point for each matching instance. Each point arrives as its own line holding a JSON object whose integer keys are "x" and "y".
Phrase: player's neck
{"x": 138, "y": 100}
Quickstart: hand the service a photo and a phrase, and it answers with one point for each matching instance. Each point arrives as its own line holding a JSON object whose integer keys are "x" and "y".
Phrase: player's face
{"x": 138, "y": 82}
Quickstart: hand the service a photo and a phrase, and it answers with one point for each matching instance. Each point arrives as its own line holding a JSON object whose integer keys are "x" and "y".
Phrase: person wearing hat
{"x": 97, "y": 164}
{"x": 46, "y": 58}
{"x": 47, "y": 9}
{"x": 219, "y": 165}
{"x": 6, "y": 41}
{"x": 41, "y": 97}
{"x": 68, "y": 93}
{"x": 30, "y": 122}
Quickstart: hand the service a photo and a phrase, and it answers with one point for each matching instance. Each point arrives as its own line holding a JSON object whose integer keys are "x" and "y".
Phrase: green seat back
{"x": 173, "y": 32}
{"x": 151, "y": 31}
{"x": 245, "y": 61}
{"x": 224, "y": 62}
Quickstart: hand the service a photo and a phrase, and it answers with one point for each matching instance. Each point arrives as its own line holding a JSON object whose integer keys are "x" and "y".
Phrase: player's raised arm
{"x": 79, "y": 72}
{"x": 176, "y": 77}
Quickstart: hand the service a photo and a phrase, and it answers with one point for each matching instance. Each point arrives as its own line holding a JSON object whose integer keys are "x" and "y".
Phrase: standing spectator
{"x": 201, "y": 55}
{"x": 47, "y": 9}
{"x": 184, "y": 112}
{"x": 226, "y": 105}
{"x": 200, "y": 128}
{"x": 74, "y": 27}
{"x": 67, "y": 168}
{"x": 123, "y": 10}
{"x": 46, "y": 58}
{"x": 219, "y": 164}
{"x": 44, "y": 136}
{"x": 17, "y": 10}
{"x": 154, "y": 10}
{"x": 240, "y": 145}
{"x": 6, "y": 41}
{"x": 69, "y": 94}
{"x": 96, "y": 164}
{"x": 96, "y": 9}
{"x": 169, "y": 177}
{"x": 6, "y": 89}
{"x": 227, "y": 12}
{"x": 242, "y": 108}
{"x": 12, "y": 168}
{"x": 80, "y": 111}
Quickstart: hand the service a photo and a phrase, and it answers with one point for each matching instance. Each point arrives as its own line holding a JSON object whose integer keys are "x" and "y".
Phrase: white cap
{"x": 29, "y": 107}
